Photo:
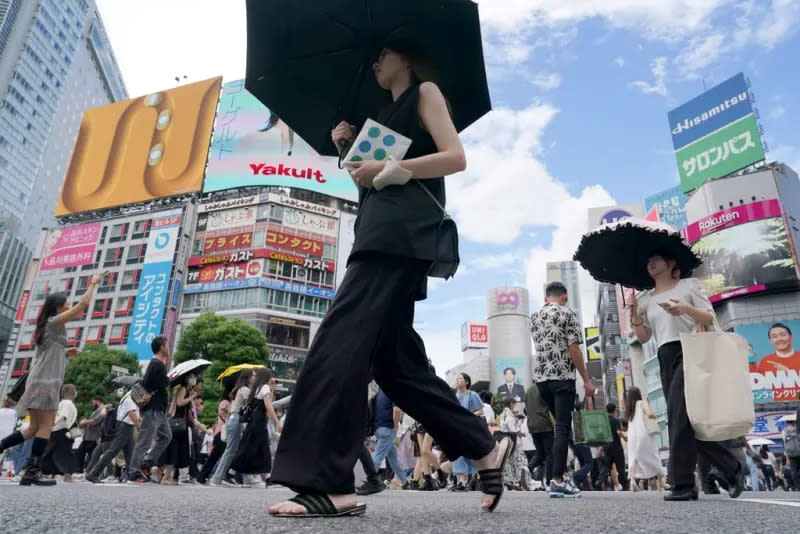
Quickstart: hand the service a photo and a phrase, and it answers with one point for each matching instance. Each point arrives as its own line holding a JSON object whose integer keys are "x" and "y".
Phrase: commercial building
{"x": 55, "y": 62}
{"x": 566, "y": 272}
{"x": 273, "y": 260}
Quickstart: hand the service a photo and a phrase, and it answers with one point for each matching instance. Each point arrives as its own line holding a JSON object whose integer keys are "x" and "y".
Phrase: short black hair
{"x": 513, "y": 371}
{"x": 611, "y": 407}
{"x": 98, "y": 398}
{"x": 157, "y": 343}
{"x": 486, "y": 396}
{"x": 779, "y": 325}
{"x": 555, "y": 289}
{"x": 198, "y": 380}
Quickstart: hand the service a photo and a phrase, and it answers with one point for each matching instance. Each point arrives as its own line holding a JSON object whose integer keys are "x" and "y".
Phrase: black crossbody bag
{"x": 446, "y": 259}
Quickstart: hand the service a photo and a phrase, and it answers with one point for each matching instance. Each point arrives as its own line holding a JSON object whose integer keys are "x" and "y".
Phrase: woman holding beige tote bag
{"x": 678, "y": 306}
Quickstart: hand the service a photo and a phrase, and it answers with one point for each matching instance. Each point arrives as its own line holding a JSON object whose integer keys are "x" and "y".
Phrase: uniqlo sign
{"x": 474, "y": 336}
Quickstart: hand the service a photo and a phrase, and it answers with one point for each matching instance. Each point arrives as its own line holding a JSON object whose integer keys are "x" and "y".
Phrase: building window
{"x": 113, "y": 257}
{"x": 83, "y": 285}
{"x": 136, "y": 254}
{"x": 124, "y": 306}
{"x": 26, "y": 339}
{"x": 74, "y": 336}
{"x": 288, "y": 336}
{"x": 118, "y": 233}
{"x": 64, "y": 285}
{"x": 119, "y": 334}
{"x": 141, "y": 229}
{"x": 20, "y": 367}
{"x": 93, "y": 266}
{"x": 197, "y": 247}
{"x": 32, "y": 314}
{"x": 130, "y": 280}
{"x": 96, "y": 334}
{"x": 109, "y": 283}
{"x": 101, "y": 309}
{"x": 40, "y": 290}
{"x": 103, "y": 235}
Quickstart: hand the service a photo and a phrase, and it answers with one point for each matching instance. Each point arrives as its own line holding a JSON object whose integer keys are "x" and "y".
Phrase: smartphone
{"x": 664, "y": 305}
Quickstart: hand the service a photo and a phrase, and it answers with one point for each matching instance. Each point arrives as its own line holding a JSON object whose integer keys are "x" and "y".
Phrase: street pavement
{"x": 126, "y": 508}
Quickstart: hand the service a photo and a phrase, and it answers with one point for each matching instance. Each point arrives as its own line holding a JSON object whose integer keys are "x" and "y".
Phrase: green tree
{"x": 223, "y": 342}
{"x": 90, "y": 372}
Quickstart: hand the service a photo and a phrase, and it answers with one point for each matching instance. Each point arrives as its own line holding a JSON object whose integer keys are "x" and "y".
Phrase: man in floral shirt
{"x": 557, "y": 337}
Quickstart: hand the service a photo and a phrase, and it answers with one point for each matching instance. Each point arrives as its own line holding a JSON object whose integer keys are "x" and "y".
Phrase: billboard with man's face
{"x": 774, "y": 360}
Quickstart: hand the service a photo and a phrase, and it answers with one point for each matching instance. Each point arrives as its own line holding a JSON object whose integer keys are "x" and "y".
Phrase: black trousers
{"x": 584, "y": 456}
{"x": 559, "y": 397}
{"x": 84, "y": 453}
{"x": 217, "y": 448}
{"x": 543, "y": 441}
{"x": 683, "y": 445}
{"x": 123, "y": 441}
{"x": 365, "y": 457}
{"x": 368, "y": 332}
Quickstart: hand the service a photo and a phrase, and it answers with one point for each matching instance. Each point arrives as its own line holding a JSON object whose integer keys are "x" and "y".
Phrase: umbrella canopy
{"x": 236, "y": 369}
{"x": 189, "y": 366}
{"x": 126, "y": 380}
{"x": 617, "y": 252}
{"x": 757, "y": 442}
{"x": 311, "y": 62}
{"x": 788, "y": 418}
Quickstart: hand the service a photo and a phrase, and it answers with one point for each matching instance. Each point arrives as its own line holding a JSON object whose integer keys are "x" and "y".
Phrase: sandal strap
{"x": 315, "y": 503}
{"x": 491, "y": 481}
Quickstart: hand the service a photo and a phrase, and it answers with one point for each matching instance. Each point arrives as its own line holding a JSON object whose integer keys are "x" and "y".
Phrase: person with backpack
{"x": 125, "y": 417}
{"x": 791, "y": 448}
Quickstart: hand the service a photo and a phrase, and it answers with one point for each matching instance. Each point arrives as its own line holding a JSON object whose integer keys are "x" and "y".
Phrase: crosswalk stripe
{"x": 773, "y": 501}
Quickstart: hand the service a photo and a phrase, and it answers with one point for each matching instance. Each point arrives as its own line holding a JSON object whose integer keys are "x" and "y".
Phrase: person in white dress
{"x": 643, "y": 460}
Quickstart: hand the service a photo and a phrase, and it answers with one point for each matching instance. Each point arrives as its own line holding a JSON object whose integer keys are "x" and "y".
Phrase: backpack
{"x": 791, "y": 441}
{"x": 109, "y": 425}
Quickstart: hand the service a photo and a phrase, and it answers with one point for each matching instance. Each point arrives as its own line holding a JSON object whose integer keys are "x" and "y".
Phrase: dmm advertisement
{"x": 152, "y": 295}
{"x": 774, "y": 360}
{"x": 70, "y": 246}
{"x": 670, "y": 206}
{"x": 252, "y": 146}
{"x": 744, "y": 250}
{"x": 140, "y": 149}
{"x": 717, "y": 107}
{"x": 721, "y": 153}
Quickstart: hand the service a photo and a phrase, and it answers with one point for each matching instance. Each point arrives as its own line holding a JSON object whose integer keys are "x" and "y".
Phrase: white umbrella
{"x": 187, "y": 367}
{"x": 787, "y": 418}
{"x": 757, "y": 442}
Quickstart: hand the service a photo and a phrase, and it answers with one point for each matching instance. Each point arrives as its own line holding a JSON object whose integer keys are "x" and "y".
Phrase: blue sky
{"x": 581, "y": 91}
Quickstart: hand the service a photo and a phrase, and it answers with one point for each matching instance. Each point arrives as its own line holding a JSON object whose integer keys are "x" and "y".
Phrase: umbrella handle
{"x": 344, "y": 146}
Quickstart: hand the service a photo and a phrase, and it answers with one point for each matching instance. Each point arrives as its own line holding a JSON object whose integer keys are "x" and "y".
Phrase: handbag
{"x": 591, "y": 427}
{"x": 19, "y": 388}
{"x": 178, "y": 424}
{"x": 446, "y": 259}
{"x": 719, "y": 398}
{"x": 140, "y": 396}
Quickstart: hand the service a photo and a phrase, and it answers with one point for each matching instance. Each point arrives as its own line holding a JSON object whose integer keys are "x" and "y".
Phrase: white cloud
{"x": 155, "y": 41}
{"x": 699, "y": 53}
{"x": 620, "y": 61}
{"x": 776, "y": 111}
{"x": 547, "y": 82}
{"x": 659, "y": 86}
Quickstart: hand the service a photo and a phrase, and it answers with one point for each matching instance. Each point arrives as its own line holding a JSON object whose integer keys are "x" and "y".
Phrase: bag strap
{"x": 433, "y": 198}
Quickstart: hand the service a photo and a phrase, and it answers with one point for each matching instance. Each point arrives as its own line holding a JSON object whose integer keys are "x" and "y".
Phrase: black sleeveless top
{"x": 401, "y": 219}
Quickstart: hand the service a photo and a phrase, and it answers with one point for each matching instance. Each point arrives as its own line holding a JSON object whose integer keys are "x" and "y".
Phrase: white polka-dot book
{"x": 377, "y": 142}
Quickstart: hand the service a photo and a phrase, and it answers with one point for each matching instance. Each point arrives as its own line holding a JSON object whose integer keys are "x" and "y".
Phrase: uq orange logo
{"x": 141, "y": 149}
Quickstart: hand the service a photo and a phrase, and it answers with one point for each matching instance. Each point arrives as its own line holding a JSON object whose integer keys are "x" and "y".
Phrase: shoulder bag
{"x": 19, "y": 388}
{"x": 591, "y": 427}
{"x": 719, "y": 398}
{"x": 141, "y": 397}
{"x": 447, "y": 259}
{"x": 176, "y": 424}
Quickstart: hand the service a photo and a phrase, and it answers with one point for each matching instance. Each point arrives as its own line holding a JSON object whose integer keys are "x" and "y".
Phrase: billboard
{"x": 347, "y": 237}
{"x": 141, "y": 149}
{"x": 70, "y": 246}
{"x": 593, "y": 352}
{"x": 721, "y": 105}
{"x": 609, "y": 214}
{"x": 769, "y": 425}
{"x": 251, "y": 146}
{"x": 670, "y": 205}
{"x": 152, "y": 295}
{"x": 744, "y": 249}
{"x": 774, "y": 360}
{"x": 474, "y": 336}
{"x": 721, "y": 153}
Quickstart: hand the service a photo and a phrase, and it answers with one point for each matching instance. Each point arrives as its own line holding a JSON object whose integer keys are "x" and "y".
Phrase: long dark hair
{"x": 421, "y": 65}
{"x": 241, "y": 381}
{"x": 764, "y": 452}
{"x": 49, "y": 310}
{"x": 467, "y": 379}
{"x": 263, "y": 376}
{"x": 634, "y": 395}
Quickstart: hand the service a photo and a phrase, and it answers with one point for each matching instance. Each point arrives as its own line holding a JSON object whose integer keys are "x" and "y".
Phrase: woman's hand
{"x": 343, "y": 132}
{"x": 98, "y": 278}
{"x": 71, "y": 353}
{"x": 364, "y": 172}
{"x": 677, "y": 308}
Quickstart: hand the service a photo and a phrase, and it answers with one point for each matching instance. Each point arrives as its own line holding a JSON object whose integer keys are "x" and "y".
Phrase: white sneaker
{"x": 565, "y": 489}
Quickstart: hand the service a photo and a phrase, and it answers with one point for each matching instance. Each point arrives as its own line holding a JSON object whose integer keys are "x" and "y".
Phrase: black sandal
{"x": 491, "y": 480}
{"x": 319, "y": 505}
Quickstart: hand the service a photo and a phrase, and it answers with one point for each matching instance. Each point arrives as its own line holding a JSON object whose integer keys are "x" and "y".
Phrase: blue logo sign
{"x": 671, "y": 207}
{"x": 707, "y": 113}
{"x": 614, "y": 216}
{"x": 162, "y": 240}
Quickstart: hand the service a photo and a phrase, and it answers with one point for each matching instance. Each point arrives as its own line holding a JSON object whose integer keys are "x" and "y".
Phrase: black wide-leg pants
{"x": 683, "y": 444}
{"x": 368, "y": 332}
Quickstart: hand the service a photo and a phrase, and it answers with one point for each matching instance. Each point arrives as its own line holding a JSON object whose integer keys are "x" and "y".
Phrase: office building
{"x": 566, "y": 272}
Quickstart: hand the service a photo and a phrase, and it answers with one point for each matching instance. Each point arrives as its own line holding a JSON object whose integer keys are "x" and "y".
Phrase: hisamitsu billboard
{"x": 707, "y": 113}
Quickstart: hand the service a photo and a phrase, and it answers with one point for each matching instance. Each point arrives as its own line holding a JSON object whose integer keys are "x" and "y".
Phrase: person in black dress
{"x": 368, "y": 331}
{"x": 177, "y": 454}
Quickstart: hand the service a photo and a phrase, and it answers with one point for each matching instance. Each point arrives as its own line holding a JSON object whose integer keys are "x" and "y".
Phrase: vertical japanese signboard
{"x": 152, "y": 296}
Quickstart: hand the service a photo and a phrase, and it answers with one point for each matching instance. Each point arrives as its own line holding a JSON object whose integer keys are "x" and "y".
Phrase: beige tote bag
{"x": 719, "y": 399}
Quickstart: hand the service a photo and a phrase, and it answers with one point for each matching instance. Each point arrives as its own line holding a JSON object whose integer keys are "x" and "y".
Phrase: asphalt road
{"x": 82, "y": 507}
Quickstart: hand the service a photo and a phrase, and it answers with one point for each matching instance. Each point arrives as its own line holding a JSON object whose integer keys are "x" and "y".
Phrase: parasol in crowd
{"x": 757, "y": 442}
{"x": 189, "y": 366}
{"x": 311, "y": 62}
{"x": 234, "y": 370}
{"x": 787, "y": 418}
{"x": 126, "y": 380}
{"x": 617, "y": 252}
